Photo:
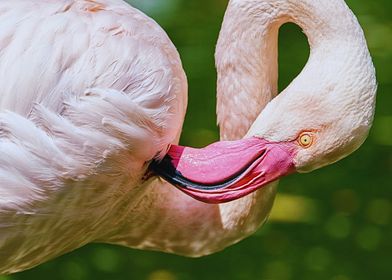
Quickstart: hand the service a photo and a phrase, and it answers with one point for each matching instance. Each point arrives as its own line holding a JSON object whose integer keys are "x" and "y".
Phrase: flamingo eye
{"x": 305, "y": 139}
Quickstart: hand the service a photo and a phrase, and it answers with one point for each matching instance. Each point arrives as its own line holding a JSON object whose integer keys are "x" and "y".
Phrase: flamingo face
{"x": 316, "y": 121}
{"x": 284, "y": 138}
{"x": 329, "y": 118}
{"x": 275, "y": 147}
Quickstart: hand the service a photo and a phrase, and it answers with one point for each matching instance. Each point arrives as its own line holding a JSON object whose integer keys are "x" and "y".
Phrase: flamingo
{"x": 92, "y": 101}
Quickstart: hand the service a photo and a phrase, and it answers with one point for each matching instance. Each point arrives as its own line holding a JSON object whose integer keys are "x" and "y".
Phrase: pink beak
{"x": 227, "y": 170}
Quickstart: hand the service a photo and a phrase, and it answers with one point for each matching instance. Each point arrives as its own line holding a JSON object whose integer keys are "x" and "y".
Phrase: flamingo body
{"x": 87, "y": 88}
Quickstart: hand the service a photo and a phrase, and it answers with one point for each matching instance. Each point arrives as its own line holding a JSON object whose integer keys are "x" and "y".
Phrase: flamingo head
{"x": 327, "y": 119}
{"x": 302, "y": 129}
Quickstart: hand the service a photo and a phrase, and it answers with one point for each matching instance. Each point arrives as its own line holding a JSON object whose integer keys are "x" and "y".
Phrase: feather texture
{"x": 92, "y": 90}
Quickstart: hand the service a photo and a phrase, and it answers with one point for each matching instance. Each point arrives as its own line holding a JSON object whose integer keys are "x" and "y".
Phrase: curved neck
{"x": 247, "y": 52}
{"x": 247, "y": 65}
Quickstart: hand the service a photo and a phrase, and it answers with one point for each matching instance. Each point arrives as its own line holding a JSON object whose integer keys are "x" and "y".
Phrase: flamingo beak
{"x": 226, "y": 170}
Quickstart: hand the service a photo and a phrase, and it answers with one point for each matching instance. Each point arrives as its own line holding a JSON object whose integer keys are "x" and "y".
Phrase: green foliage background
{"x": 335, "y": 223}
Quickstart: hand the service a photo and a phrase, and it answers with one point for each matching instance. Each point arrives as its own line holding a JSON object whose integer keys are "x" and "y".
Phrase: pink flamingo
{"x": 93, "y": 91}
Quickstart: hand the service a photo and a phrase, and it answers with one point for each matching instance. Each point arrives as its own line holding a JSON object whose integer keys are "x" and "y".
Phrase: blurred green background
{"x": 335, "y": 223}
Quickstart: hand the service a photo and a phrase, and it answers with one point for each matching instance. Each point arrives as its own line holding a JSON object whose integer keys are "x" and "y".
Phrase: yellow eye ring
{"x": 305, "y": 139}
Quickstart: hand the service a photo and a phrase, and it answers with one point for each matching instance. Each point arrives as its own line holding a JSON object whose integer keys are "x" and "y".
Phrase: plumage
{"x": 92, "y": 91}
{"x": 84, "y": 92}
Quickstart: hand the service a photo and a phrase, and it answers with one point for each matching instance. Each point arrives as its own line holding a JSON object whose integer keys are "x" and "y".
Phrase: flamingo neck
{"x": 247, "y": 65}
{"x": 247, "y": 52}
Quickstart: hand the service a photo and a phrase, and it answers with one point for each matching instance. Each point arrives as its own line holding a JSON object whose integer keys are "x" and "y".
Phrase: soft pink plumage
{"x": 91, "y": 91}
